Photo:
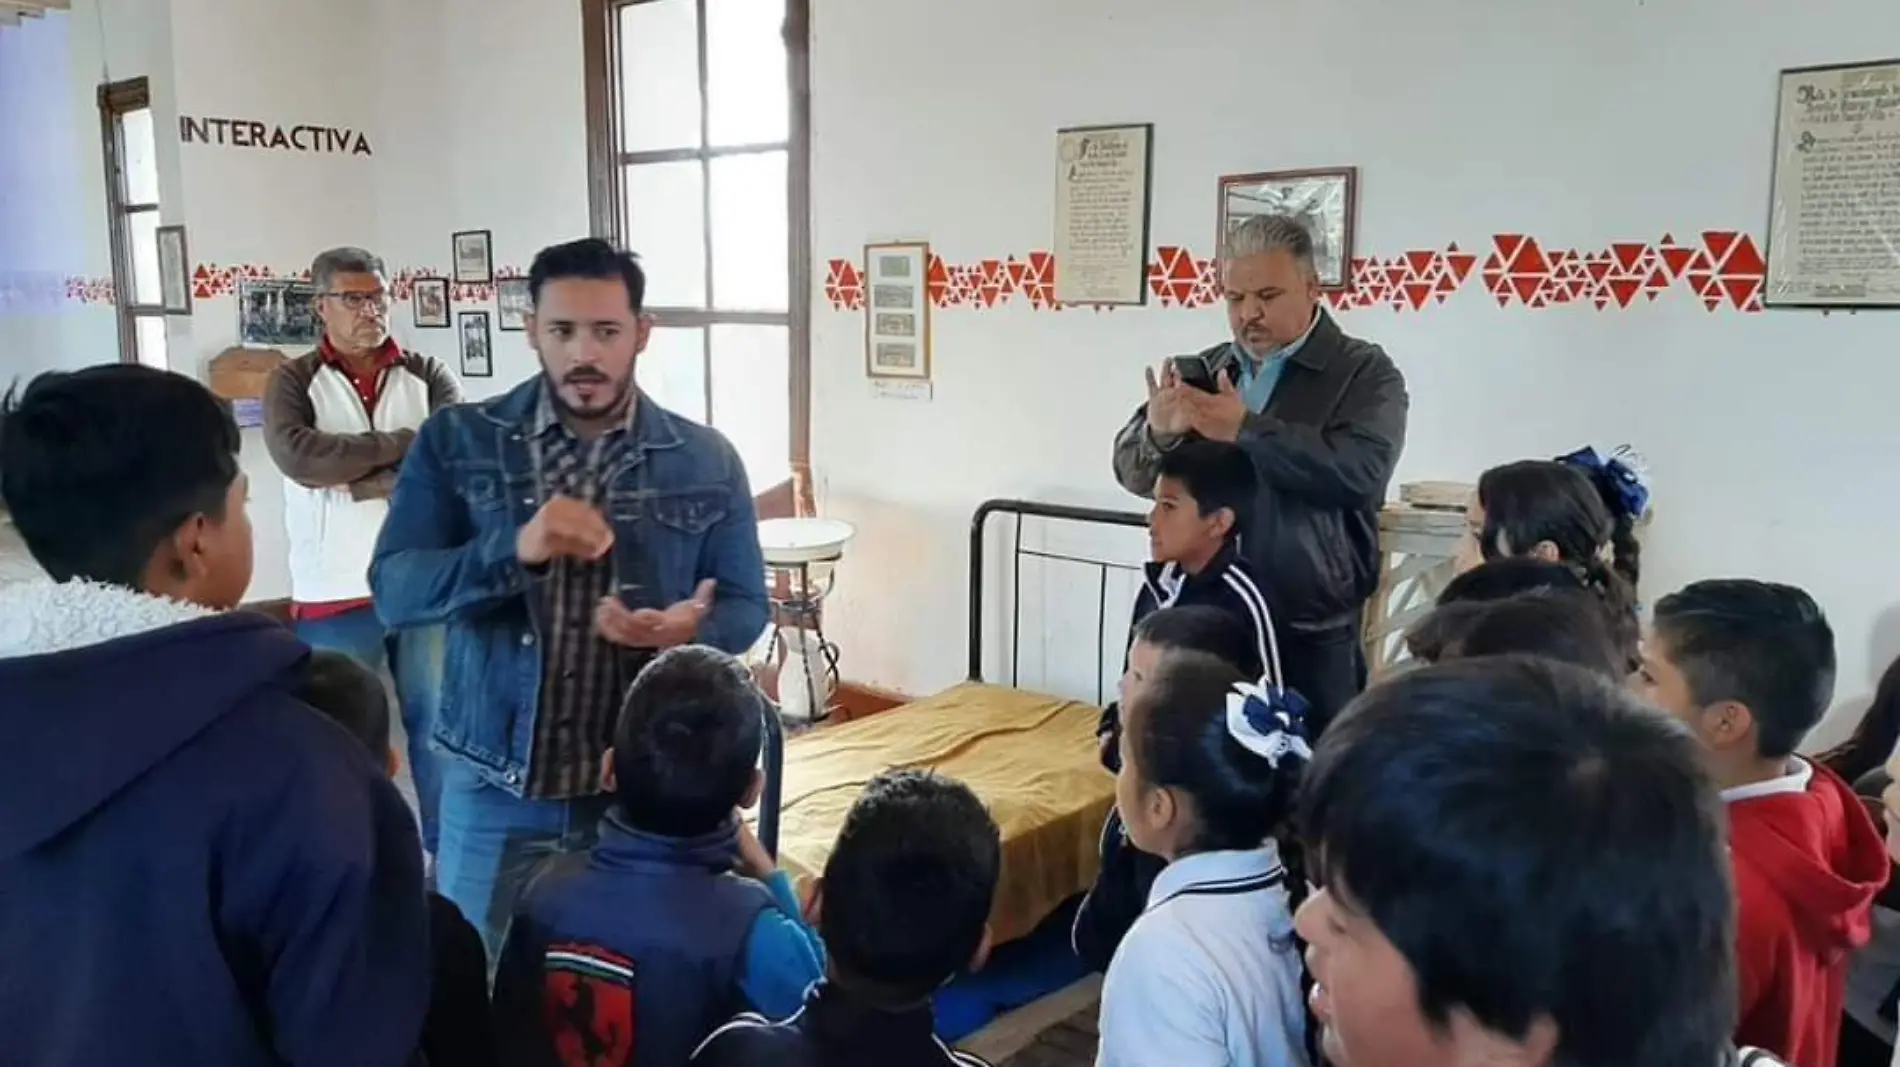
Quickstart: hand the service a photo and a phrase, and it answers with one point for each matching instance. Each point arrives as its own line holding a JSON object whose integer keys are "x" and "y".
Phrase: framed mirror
{"x": 1325, "y": 199}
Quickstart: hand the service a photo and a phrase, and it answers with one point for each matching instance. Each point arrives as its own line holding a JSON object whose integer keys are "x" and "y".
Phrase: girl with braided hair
{"x": 1579, "y": 510}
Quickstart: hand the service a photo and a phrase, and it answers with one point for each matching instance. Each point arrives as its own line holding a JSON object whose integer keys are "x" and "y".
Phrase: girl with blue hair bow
{"x": 1210, "y": 973}
{"x": 1579, "y": 510}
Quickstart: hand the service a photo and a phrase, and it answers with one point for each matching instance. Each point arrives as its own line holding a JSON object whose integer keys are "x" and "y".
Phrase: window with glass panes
{"x": 131, "y": 157}
{"x": 698, "y": 150}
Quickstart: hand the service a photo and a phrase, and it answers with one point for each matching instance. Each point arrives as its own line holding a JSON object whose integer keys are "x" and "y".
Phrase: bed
{"x": 1030, "y": 756}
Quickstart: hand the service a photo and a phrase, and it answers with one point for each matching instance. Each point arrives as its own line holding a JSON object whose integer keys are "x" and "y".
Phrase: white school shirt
{"x": 1209, "y": 975}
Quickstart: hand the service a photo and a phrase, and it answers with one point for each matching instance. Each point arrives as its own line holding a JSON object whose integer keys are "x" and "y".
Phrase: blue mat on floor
{"x": 1023, "y": 970}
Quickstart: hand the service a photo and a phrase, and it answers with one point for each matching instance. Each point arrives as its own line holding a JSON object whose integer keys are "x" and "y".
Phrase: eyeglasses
{"x": 359, "y": 302}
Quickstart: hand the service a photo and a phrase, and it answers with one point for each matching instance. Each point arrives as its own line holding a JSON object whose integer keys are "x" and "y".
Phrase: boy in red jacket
{"x": 1749, "y": 666}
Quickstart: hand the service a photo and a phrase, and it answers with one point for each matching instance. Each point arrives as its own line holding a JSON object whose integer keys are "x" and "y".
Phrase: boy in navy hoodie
{"x": 195, "y": 868}
{"x": 904, "y": 906}
{"x": 632, "y": 953}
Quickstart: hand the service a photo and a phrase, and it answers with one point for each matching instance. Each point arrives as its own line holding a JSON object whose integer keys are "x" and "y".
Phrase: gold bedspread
{"x": 1031, "y": 758}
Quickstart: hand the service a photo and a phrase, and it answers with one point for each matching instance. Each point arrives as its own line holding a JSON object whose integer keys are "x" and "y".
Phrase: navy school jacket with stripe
{"x": 1226, "y": 584}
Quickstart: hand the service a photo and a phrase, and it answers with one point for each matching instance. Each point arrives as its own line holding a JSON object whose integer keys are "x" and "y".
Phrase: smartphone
{"x": 633, "y": 578}
{"x": 1194, "y": 371}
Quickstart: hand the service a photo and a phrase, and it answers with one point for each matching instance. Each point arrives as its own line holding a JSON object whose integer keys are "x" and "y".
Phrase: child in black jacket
{"x": 1199, "y": 594}
{"x": 904, "y": 906}
{"x": 456, "y": 1031}
{"x": 1194, "y": 561}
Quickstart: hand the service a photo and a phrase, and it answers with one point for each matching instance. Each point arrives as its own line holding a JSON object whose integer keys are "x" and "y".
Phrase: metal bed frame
{"x": 1031, "y": 509}
{"x": 774, "y": 747}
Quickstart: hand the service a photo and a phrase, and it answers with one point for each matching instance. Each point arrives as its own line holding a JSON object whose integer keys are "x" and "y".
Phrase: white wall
{"x": 53, "y": 252}
{"x": 496, "y": 144}
{"x": 1769, "y": 434}
{"x": 290, "y": 62}
{"x": 485, "y": 111}
{"x": 40, "y": 243}
{"x": 1581, "y": 127}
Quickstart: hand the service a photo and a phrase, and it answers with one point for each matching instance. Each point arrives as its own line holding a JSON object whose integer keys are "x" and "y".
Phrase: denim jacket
{"x": 447, "y": 556}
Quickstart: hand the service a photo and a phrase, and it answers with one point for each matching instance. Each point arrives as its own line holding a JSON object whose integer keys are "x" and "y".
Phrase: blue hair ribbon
{"x": 1268, "y": 720}
{"x": 1622, "y": 471}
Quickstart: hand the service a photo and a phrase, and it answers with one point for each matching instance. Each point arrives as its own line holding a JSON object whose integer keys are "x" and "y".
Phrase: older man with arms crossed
{"x": 564, "y": 531}
{"x": 338, "y": 422}
{"x": 1323, "y": 417}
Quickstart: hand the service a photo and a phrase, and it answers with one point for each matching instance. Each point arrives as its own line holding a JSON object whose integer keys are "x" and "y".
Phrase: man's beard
{"x": 358, "y": 339}
{"x": 623, "y": 392}
{"x": 1257, "y": 353}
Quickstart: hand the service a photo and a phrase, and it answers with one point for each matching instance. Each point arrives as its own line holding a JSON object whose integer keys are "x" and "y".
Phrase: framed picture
{"x": 429, "y": 303}
{"x": 478, "y": 349}
{"x": 1325, "y": 199}
{"x": 1102, "y": 201}
{"x": 897, "y": 327}
{"x": 174, "y": 271}
{"x": 277, "y": 311}
{"x": 512, "y": 303}
{"x": 474, "y": 257}
{"x": 1832, "y": 200}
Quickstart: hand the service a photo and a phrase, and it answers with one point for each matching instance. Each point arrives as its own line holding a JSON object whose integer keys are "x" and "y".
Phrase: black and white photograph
{"x": 1326, "y": 200}
{"x": 478, "y": 349}
{"x": 896, "y": 359}
{"x": 897, "y": 331}
{"x": 274, "y": 312}
{"x": 895, "y": 325}
{"x": 513, "y": 303}
{"x": 474, "y": 257}
{"x": 430, "y": 303}
{"x": 174, "y": 271}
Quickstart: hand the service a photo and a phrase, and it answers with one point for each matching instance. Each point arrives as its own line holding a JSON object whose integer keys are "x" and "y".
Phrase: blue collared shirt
{"x": 1257, "y": 382}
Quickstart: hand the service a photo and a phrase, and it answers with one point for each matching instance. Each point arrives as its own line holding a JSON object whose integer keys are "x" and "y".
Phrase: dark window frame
{"x": 116, "y": 100}
{"x": 606, "y": 161}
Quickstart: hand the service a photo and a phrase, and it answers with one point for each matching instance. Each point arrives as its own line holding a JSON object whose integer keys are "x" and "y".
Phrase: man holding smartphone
{"x": 564, "y": 532}
{"x": 1322, "y": 415}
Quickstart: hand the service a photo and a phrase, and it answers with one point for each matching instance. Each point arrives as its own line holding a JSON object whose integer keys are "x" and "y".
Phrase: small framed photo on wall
{"x": 474, "y": 257}
{"x": 478, "y": 347}
{"x": 430, "y": 303}
{"x": 897, "y": 324}
{"x": 1325, "y": 200}
{"x": 512, "y": 303}
{"x": 277, "y": 312}
{"x": 174, "y": 271}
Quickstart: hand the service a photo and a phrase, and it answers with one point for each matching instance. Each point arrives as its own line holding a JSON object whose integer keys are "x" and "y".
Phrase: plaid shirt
{"x": 584, "y": 677}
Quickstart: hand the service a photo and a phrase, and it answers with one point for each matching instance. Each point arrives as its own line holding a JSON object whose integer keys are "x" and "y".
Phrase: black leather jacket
{"x": 1324, "y": 449}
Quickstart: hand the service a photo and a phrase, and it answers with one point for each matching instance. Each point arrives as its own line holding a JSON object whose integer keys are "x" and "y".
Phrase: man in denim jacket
{"x": 563, "y": 532}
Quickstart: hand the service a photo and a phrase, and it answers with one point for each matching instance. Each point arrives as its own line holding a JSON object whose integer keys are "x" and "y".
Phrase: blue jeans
{"x": 494, "y": 841}
{"x": 413, "y": 660}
